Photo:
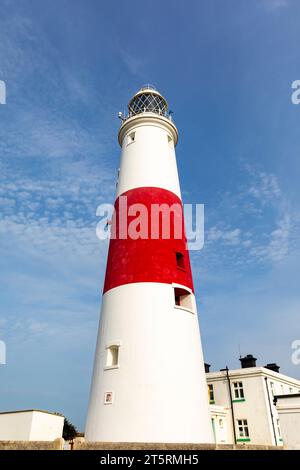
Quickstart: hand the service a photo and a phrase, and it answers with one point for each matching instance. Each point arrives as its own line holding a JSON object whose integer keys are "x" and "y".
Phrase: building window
{"x": 272, "y": 388}
{"x": 243, "y": 430}
{"x": 184, "y": 299}
{"x": 131, "y": 138}
{"x": 112, "y": 357}
{"x": 211, "y": 395}
{"x": 221, "y": 424}
{"x": 179, "y": 260}
{"x": 238, "y": 391}
{"x": 278, "y": 429}
{"x": 108, "y": 398}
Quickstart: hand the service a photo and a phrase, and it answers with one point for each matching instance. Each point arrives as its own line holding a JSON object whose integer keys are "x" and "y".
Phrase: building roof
{"x": 30, "y": 411}
{"x": 252, "y": 371}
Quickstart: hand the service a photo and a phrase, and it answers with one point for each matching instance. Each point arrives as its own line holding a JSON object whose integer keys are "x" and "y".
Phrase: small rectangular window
{"x": 131, "y": 137}
{"x": 180, "y": 260}
{"x": 243, "y": 429}
{"x": 183, "y": 298}
{"x": 211, "y": 394}
{"x": 278, "y": 428}
{"x": 108, "y": 398}
{"x": 238, "y": 390}
{"x": 112, "y": 358}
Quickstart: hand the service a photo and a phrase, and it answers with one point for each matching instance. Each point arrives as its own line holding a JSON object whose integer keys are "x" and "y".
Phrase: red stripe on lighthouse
{"x": 148, "y": 259}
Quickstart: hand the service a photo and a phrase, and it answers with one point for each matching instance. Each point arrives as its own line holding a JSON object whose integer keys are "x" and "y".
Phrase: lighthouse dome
{"x": 148, "y": 100}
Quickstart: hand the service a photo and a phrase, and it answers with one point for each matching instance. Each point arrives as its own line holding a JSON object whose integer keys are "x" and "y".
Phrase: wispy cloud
{"x": 131, "y": 61}
{"x": 256, "y": 225}
{"x": 272, "y": 5}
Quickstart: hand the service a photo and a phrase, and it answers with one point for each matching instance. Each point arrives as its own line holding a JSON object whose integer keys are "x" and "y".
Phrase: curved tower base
{"x": 158, "y": 385}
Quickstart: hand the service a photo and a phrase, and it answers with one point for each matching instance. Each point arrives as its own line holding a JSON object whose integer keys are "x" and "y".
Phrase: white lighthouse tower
{"x": 148, "y": 381}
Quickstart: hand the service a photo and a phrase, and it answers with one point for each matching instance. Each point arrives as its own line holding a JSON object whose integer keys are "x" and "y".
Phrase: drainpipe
{"x": 231, "y": 402}
{"x": 271, "y": 412}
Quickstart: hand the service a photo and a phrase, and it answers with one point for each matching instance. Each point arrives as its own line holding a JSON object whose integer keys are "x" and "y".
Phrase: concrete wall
{"x": 289, "y": 417}
{"x": 15, "y": 426}
{"x": 30, "y": 426}
{"x": 46, "y": 427}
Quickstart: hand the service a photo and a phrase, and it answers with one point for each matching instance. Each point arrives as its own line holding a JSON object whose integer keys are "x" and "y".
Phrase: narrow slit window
{"x": 211, "y": 394}
{"x": 131, "y": 138}
{"x": 180, "y": 260}
{"x": 112, "y": 358}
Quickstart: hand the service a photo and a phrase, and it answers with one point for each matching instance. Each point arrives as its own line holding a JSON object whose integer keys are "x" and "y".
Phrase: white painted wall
{"x": 289, "y": 416}
{"x": 160, "y": 392}
{"x": 150, "y": 160}
{"x": 220, "y": 423}
{"x": 46, "y": 427}
{"x": 30, "y": 426}
{"x": 15, "y": 426}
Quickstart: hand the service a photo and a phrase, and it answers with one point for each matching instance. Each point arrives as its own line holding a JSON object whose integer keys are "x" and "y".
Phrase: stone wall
{"x": 81, "y": 444}
{"x": 32, "y": 445}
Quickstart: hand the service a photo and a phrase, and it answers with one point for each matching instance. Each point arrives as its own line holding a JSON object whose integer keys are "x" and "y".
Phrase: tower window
{"x": 184, "y": 299}
{"x": 112, "y": 358}
{"x": 170, "y": 140}
{"x": 180, "y": 260}
{"x": 131, "y": 138}
{"x": 108, "y": 398}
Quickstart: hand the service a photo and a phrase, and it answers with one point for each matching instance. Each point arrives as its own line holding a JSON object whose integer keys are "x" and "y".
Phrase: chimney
{"x": 206, "y": 367}
{"x": 248, "y": 361}
{"x": 272, "y": 366}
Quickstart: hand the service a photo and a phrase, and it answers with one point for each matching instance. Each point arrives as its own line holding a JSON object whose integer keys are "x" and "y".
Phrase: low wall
{"x": 32, "y": 445}
{"x": 81, "y": 444}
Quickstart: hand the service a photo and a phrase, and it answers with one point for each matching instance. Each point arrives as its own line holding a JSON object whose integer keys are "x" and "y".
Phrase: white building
{"x": 242, "y": 403}
{"x": 288, "y": 407}
{"x": 30, "y": 425}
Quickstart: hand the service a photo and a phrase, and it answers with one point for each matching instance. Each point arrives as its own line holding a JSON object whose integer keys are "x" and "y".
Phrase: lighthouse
{"x": 148, "y": 380}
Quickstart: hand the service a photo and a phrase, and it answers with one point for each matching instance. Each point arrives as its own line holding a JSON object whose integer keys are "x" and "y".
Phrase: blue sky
{"x": 226, "y": 68}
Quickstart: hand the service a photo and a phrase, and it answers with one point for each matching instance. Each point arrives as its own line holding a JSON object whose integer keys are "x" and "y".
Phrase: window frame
{"x": 108, "y": 347}
{"x": 131, "y": 137}
{"x": 185, "y": 295}
{"x": 242, "y": 426}
{"x": 106, "y": 402}
{"x": 180, "y": 260}
{"x": 211, "y": 394}
{"x": 238, "y": 391}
